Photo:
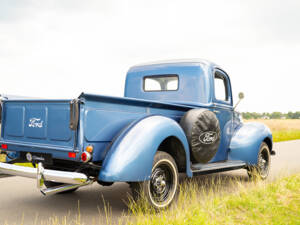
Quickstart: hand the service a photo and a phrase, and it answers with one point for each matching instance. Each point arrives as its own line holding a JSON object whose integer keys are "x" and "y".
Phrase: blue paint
{"x": 131, "y": 155}
{"x": 34, "y": 122}
{"x": 193, "y": 82}
{"x": 224, "y": 113}
{"x": 246, "y": 141}
{"x": 103, "y": 118}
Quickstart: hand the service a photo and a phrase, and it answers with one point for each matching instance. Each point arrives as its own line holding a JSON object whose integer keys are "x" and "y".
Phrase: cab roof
{"x": 173, "y": 63}
{"x": 194, "y": 77}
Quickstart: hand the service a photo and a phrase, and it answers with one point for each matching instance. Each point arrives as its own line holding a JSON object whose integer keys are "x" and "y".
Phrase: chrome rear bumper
{"x": 45, "y": 174}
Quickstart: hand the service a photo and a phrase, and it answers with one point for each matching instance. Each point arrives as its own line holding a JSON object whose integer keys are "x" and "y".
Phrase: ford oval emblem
{"x": 208, "y": 137}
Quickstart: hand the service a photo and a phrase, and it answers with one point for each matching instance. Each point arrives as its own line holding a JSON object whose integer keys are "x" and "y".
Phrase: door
{"x": 222, "y": 107}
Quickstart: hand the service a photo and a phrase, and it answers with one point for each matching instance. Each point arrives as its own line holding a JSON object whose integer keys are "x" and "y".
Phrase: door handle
{"x": 216, "y": 111}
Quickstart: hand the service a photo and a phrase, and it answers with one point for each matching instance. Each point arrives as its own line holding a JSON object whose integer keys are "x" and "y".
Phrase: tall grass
{"x": 255, "y": 203}
{"x": 287, "y": 135}
{"x": 282, "y": 129}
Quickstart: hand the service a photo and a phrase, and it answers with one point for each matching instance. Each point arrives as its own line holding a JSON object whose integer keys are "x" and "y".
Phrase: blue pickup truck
{"x": 176, "y": 117}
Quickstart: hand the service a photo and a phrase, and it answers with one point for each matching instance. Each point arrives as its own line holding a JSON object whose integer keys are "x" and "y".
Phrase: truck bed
{"x": 42, "y": 126}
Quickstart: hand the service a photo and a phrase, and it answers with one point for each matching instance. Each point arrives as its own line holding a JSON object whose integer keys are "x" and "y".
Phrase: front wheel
{"x": 262, "y": 168}
{"x": 160, "y": 190}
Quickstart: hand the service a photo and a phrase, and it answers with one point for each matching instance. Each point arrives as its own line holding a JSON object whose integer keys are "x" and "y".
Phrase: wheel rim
{"x": 161, "y": 184}
{"x": 263, "y": 163}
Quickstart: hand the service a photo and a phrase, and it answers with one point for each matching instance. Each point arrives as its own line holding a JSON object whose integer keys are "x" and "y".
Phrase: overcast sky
{"x": 60, "y": 48}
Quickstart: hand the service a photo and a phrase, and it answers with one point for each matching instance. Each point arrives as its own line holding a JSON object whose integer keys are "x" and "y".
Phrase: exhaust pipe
{"x": 62, "y": 188}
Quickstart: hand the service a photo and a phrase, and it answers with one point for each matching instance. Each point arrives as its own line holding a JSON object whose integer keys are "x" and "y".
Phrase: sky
{"x": 60, "y": 48}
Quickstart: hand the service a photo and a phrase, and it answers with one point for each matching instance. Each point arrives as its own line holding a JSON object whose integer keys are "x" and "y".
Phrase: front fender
{"x": 131, "y": 155}
{"x": 246, "y": 142}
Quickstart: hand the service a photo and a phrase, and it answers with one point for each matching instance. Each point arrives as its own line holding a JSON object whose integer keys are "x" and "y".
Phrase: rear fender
{"x": 246, "y": 142}
{"x": 131, "y": 155}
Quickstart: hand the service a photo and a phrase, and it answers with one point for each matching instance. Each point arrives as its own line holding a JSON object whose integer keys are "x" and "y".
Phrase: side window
{"x": 221, "y": 92}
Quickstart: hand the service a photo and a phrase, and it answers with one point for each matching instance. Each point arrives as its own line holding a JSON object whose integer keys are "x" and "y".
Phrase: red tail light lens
{"x": 85, "y": 156}
{"x": 72, "y": 154}
{"x": 4, "y": 146}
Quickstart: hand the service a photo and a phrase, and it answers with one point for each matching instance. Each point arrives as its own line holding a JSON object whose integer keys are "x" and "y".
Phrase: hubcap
{"x": 263, "y": 162}
{"x": 161, "y": 183}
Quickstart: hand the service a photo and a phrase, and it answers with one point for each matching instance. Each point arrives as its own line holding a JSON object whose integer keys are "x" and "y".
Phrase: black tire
{"x": 262, "y": 168}
{"x": 202, "y": 129}
{"x": 161, "y": 189}
{"x": 50, "y": 184}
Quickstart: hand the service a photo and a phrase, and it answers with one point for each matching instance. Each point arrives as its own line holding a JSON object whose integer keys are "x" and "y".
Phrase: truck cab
{"x": 192, "y": 83}
{"x": 175, "y": 117}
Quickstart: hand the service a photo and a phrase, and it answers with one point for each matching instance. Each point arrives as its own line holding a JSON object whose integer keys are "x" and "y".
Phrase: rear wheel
{"x": 262, "y": 168}
{"x": 50, "y": 184}
{"x": 160, "y": 190}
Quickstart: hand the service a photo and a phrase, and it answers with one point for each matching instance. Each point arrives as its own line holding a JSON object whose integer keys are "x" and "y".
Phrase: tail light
{"x": 89, "y": 149}
{"x": 85, "y": 157}
{"x": 72, "y": 155}
{"x": 4, "y": 146}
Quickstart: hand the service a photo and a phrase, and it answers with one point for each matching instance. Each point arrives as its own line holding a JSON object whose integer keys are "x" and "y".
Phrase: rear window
{"x": 161, "y": 83}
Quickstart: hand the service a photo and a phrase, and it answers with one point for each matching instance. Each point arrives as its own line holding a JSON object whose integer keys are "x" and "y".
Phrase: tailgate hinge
{"x": 74, "y": 113}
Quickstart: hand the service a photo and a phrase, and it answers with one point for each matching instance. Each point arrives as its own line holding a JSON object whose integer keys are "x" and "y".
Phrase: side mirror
{"x": 241, "y": 96}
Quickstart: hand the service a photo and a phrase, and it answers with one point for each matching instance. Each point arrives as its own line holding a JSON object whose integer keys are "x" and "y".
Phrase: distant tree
{"x": 273, "y": 115}
{"x": 276, "y": 115}
{"x": 293, "y": 115}
{"x": 290, "y": 115}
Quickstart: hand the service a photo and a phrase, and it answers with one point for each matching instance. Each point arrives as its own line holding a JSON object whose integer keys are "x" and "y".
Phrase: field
{"x": 283, "y": 130}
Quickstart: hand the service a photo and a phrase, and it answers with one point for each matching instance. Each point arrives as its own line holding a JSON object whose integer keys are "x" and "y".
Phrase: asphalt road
{"x": 21, "y": 202}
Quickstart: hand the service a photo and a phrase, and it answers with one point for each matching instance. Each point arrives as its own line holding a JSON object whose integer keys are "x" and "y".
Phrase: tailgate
{"x": 38, "y": 123}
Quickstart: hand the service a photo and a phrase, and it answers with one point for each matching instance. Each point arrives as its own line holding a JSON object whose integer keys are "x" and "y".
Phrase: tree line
{"x": 273, "y": 115}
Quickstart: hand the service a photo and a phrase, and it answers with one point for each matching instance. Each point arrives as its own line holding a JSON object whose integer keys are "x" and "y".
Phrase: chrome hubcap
{"x": 161, "y": 183}
{"x": 263, "y": 163}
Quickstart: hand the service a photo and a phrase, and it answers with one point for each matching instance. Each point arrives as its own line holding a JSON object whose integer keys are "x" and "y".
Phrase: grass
{"x": 256, "y": 203}
{"x": 282, "y": 129}
{"x": 2, "y": 158}
{"x": 286, "y": 135}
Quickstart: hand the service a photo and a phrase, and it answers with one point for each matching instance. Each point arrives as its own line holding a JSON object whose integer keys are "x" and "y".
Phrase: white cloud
{"x": 60, "y": 48}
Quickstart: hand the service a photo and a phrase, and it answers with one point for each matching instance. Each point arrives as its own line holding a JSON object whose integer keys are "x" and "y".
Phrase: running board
{"x": 199, "y": 168}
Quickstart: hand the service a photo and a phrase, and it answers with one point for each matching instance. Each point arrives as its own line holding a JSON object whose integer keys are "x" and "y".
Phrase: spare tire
{"x": 202, "y": 129}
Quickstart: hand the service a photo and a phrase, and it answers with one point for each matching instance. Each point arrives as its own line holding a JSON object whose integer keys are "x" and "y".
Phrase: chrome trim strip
{"x": 38, "y": 146}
